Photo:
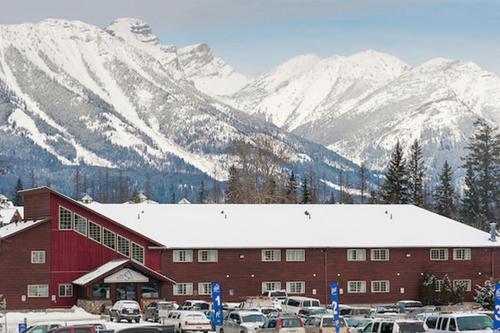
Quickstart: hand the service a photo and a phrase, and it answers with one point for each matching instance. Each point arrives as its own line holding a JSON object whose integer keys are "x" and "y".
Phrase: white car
{"x": 195, "y": 305}
{"x": 463, "y": 322}
{"x": 280, "y": 295}
{"x": 189, "y": 321}
{"x": 293, "y": 305}
{"x": 389, "y": 325}
{"x": 243, "y": 322}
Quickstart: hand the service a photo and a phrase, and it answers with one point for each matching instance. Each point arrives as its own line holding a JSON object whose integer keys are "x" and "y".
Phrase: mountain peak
{"x": 131, "y": 29}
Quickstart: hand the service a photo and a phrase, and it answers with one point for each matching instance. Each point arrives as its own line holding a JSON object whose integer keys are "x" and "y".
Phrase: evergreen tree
{"x": 444, "y": 193}
{"x": 18, "y": 199}
{"x": 173, "y": 198}
{"x": 291, "y": 189}
{"x": 485, "y": 295}
{"x": 416, "y": 172}
{"x": 136, "y": 196}
{"x": 428, "y": 289}
{"x": 202, "y": 195}
{"x": 149, "y": 187}
{"x": 332, "y": 198}
{"x": 32, "y": 178}
{"x": 470, "y": 211}
{"x": 78, "y": 189}
{"x": 395, "y": 187}
{"x": 373, "y": 199}
{"x": 484, "y": 158}
{"x": 445, "y": 294}
{"x": 234, "y": 187}
{"x": 306, "y": 194}
{"x": 363, "y": 175}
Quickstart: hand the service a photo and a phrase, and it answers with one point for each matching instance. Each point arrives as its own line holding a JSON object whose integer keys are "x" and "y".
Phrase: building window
{"x": 38, "y": 257}
{"x": 296, "y": 287}
{"x": 137, "y": 253}
{"x": 438, "y": 286}
{"x": 109, "y": 239}
{"x": 81, "y": 224}
{"x": 94, "y": 231}
{"x": 355, "y": 287}
{"x": 122, "y": 245}
{"x": 379, "y": 254}
{"x": 380, "y": 286}
{"x": 356, "y": 255}
{"x": 65, "y": 219}
{"x": 207, "y": 255}
{"x": 183, "y": 255}
{"x": 270, "y": 286}
{"x": 439, "y": 254}
{"x": 205, "y": 288}
{"x": 271, "y": 255}
{"x": 295, "y": 255}
{"x": 183, "y": 289}
{"x": 66, "y": 290}
{"x": 461, "y": 254}
{"x": 465, "y": 283}
{"x": 38, "y": 290}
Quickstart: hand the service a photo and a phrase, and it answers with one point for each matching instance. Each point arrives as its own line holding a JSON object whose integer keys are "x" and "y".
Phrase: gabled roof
{"x": 113, "y": 266}
{"x": 288, "y": 226}
{"x": 45, "y": 189}
{"x": 7, "y": 214}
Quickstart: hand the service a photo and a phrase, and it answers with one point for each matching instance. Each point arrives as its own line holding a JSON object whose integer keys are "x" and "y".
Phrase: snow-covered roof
{"x": 282, "y": 226}
{"x": 112, "y": 265}
{"x": 7, "y": 214}
{"x": 99, "y": 271}
{"x": 184, "y": 201}
{"x": 13, "y": 228}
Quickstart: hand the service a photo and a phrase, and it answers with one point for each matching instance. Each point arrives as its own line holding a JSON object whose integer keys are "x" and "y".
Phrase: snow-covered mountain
{"x": 361, "y": 104}
{"x": 115, "y": 97}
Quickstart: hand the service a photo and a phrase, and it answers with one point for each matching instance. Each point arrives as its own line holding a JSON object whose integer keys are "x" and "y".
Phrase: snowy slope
{"x": 306, "y": 87}
{"x": 210, "y": 74}
{"x": 361, "y": 104}
{"x": 116, "y": 97}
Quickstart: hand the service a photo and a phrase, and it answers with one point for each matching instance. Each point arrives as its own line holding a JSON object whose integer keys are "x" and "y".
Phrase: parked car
{"x": 388, "y": 325}
{"x": 361, "y": 325}
{"x": 408, "y": 306}
{"x": 323, "y": 324}
{"x": 128, "y": 310}
{"x": 260, "y": 302}
{"x": 151, "y": 311}
{"x": 148, "y": 329}
{"x": 42, "y": 328}
{"x": 287, "y": 324}
{"x": 463, "y": 322}
{"x": 210, "y": 316}
{"x": 312, "y": 311}
{"x": 354, "y": 311}
{"x": 195, "y": 305}
{"x": 277, "y": 294}
{"x": 242, "y": 322}
{"x": 188, "y": 321}
{"x": 292, "y": 305}
{"x": 356, "y": 324}
{"x": 75, "y": 329}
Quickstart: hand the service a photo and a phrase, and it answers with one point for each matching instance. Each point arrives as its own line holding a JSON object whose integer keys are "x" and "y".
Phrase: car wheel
{"x": 221, "y": 330}
{"x": 138, "y": 320}
{"x": 129, "y": 320}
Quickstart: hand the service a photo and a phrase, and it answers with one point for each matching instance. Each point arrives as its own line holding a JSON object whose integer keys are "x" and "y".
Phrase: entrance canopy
{"x": 121, "y": 271}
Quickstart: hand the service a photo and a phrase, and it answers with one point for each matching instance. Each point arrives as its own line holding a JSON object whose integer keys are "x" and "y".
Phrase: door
{"x": 126, "y": 291}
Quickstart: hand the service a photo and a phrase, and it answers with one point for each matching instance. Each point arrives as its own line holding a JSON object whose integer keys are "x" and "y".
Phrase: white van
{"x": 294, "y": 304}
{"x": 462, "y": 322}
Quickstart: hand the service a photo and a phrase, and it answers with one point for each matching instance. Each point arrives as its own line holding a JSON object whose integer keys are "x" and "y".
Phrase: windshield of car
{"x": 278, "y": 294}
{"x": 356, "y": 322}
{"x": 132, "y": 305}
{"x": 472, "y": 323}
{"x": 291, "y": 322}
{"x": 37, "y": 329}
{"x": 196, "y": 316}
{"x": 328, "y": 322}
{"x": 411, "y": 327}
{"x": 253, "y": 318}
{"x": 412, "y": 304}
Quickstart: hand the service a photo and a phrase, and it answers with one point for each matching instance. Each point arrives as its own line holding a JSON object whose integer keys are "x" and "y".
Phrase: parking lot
{"x": 278, "y": 313}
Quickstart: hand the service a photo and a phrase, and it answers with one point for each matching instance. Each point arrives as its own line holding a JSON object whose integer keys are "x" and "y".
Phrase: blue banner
{"x": 217, "y": 304}
{"x": 334, "y": 287}
{"x": 496, "y": 312}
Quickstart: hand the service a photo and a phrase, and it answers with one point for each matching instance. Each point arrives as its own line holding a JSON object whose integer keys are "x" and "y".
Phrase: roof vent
{"x": 308, "y": 214}
{"x": 87, "y": 199}
{"x": 493, "y": 232}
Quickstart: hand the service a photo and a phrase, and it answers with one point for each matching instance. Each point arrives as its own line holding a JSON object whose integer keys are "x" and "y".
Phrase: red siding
{"x": 75, "y": 255}
{"x": 244, "y": 276}
{"x": 17, "y": 271}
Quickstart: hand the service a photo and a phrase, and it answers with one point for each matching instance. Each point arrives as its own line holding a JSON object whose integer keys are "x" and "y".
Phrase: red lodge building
{"x": 67, "y": 253}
